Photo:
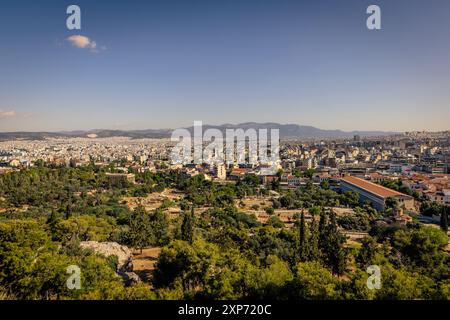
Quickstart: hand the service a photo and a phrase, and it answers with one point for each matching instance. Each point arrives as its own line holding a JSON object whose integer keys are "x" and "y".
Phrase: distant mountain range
{"x": 286, "y": 131}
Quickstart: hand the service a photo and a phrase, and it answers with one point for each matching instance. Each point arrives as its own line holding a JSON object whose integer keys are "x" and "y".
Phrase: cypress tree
{"x": 314, "y": 252}
{"x": 444, "y": 219}
{"x": 187, "y": 227}
{"x": 51, "y": 222}
{"x": 322, "y": 228}
{"x": 69, "y": 210}
{"x": 69, "y": 203}
{"x": 303, "y": 241}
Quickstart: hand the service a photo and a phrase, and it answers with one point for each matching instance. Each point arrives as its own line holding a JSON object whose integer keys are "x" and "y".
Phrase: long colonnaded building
{"x": 375, "y": 193}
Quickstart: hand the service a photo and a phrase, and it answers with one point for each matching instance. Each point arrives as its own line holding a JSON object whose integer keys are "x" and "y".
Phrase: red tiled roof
{"x": 372, "y": 187}
{"x": 239, "y": 170}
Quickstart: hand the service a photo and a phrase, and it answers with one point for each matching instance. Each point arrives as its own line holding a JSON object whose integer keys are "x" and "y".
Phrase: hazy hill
{"x": 286, "y": 131}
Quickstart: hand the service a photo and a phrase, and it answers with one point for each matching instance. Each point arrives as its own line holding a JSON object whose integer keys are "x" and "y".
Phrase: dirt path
{"x": 144, "y": 263}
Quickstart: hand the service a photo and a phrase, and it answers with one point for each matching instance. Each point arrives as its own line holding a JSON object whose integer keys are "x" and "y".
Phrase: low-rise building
{"x": 221, "y": 172}
{"x": 375, "y": 193}
{"x": 117, "y": 178}
{"x": 446, "y": 193}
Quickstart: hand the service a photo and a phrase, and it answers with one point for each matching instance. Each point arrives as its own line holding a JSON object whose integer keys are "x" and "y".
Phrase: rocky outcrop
{"x": 123, "y": 254}
{"x": 130, "y": 278}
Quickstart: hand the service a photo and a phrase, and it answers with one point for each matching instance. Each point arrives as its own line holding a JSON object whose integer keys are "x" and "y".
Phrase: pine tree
{"x": 187, "y": 227}
{"x": 444, "y": 219}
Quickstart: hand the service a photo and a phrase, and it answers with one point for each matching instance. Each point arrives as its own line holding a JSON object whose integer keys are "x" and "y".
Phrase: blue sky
{"x": 160, "y": 64}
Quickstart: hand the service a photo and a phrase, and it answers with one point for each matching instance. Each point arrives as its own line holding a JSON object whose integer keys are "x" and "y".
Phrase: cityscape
{"x": 367, "y": 184}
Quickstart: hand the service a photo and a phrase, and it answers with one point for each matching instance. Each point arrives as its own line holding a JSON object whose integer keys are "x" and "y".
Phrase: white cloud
{"x": 84, "y": 42}
{"x": 7, "y": 114}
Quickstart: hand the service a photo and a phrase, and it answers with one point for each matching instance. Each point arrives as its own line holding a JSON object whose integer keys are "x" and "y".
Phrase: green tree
{"x": 187, "y": 226}
{"x": 85, "y": 227}
{"x": 313, "y": 281}
{"x": 275, "y": 222}
{"x": 22, "y": 244}
{"x": 325, "y": 185}
{"x": 332, "y": 246}
{"x": 303, "y": 244}
{"x": 160, "y": 227}
{"x": 444, "y": 219}
{"x": 430, "y": 208}
{"x": 184, "y": 264}
{"x": 140, "y": 234}
{"x": 398, "y": 284}
{"x": 367, "y": 252}
{"x": 322, "y": 227}
{"x": 309, "y": 173}
{"x": 351, "y": 198}
{"x": 391, "y": 202}
{"x": 314, "y": 251}
{"x": 52, "y": 222}
{"x": 267, "y": 282}
{"x": 421, "y": 248}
